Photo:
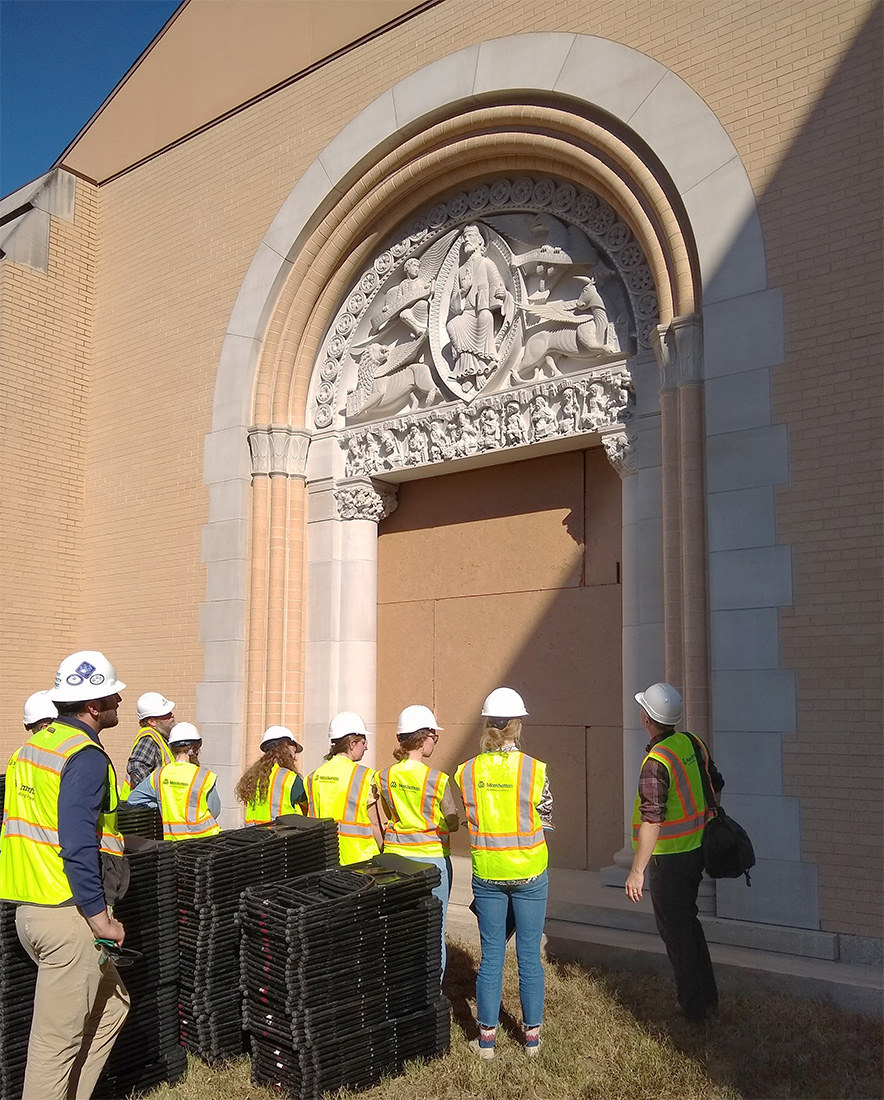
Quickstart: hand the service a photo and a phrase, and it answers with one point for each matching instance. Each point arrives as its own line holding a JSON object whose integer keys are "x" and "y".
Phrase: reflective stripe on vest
{"x": 501, "y": 792}
{"x": 278, "y": 800}
{"x": 686, "y": 813}
{"x": 166, "y": 755}
{"x": 31, "y": 868}
{"x": 182, "y": 791}
{"x": 339, "y": 788}
{"x": 412, "y": 794}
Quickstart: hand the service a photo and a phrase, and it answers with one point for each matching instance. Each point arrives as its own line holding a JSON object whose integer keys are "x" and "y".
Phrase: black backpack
{"x": 727, "y": 849}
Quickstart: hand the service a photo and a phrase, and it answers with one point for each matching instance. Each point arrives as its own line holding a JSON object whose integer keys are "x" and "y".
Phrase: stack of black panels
{"x": 341, "y": 973}
{"x": 148, "y": 1051}
{"x": 139, "y": 821}
{"x": 18, "y": 978}
{"x": 212, "y": 874}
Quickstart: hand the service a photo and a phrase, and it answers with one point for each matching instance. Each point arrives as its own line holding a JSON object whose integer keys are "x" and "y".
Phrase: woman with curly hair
{"x": 272, "y": 786}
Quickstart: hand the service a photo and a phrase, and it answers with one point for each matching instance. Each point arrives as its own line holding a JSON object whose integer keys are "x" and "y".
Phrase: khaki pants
{"x": 79, "y": 1005}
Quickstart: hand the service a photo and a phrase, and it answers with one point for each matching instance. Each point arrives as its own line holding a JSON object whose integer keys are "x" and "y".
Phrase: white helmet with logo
{"x": 86, "y": 674}
{"x": 345, "y": 723}
{"x": 662, "y": 702}
{"x": 153, "y": 705}
{"x": 38, "y": 707}
{"x": 280, "y": 733}
{"x": 504, "y": 703}
{"x": 414, "y": 718}
{"x": 183, "y": 733}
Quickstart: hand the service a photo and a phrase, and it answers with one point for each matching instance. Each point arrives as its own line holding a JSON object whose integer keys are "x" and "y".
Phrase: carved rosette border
{"x": 364, "y": 500}
{"x": 567, "y": 406}
{"x": 524, "y": 194}
{"x": 278, "y": 451}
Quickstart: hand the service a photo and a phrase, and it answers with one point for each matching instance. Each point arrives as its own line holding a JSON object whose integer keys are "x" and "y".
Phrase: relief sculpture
{"x": 501, "y": 317}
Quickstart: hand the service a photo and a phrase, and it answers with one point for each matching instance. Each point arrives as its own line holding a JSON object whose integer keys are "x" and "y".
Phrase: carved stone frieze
{"x": 278, "y": 451}
{"x": 515, "y": 282}
{"x": 598, "y": 402}
{"x": 620, "y": 449}
{"x": 362, "y": 499}
{"x": 678, "y": 348}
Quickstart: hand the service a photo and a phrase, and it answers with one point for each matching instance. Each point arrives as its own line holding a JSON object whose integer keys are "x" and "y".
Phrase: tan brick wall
{"x": 177, "y": 236}
{"x": 45, "y": 352}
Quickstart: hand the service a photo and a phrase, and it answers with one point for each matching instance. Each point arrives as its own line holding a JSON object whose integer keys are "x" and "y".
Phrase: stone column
{"x": 342, "y": 570}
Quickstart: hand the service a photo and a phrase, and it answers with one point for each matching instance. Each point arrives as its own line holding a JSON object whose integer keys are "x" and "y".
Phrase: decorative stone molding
{"x": 597, "y": 402}
{"x": 620, "y": 449}
{"x": 359, "y": 498}
{"x": 278, "y": 451}
{"x": 510, "y": 283}
{"x": 678, "y": 347}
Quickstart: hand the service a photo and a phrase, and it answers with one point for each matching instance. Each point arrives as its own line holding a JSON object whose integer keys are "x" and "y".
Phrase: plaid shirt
{"x": 653, "y": 786}
{"x": 145, "y": 758}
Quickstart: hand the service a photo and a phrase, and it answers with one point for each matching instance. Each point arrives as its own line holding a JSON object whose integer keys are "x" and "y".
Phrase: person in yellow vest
{"x": 272, "y": 786}
{"x": 39, "y": 712}
{"x": 182, "y": 791}
{"x": 509, "y": 807}
{"x": 156, "y": 715}
{"x": 667, "y": 832}
{"x": 62, "y": 863}
{"x": 344, "y": 789}
{"x": 417, "y": 801}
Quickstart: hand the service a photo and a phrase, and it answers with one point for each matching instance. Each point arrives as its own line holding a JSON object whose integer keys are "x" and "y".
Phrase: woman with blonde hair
{"x": 272, "y": 785}
{"x": 417, "y": 801}
{"x": 509, "y": 807}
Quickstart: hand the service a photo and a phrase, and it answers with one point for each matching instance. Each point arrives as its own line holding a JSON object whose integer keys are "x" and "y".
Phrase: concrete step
{"x": 598, "y": 925}
{"x": 739, "y": 969}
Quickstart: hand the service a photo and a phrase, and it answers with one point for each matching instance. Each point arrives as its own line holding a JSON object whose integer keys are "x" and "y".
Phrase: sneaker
{"x": 484, "y": 1045}
{"x": 532, "y": 1041}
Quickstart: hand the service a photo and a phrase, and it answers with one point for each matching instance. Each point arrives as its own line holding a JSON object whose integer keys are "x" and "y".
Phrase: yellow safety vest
{"x": 340, "y": 788}
{"x": 166, "y": 755}
{"x": 501, "y": 792}
{"x": 278, "y": 800}
{"x": 412, "y": 794}
{"x": 182, "y": 790}
{"x": 686, "y": 812}
{"x": 31, "y": 867}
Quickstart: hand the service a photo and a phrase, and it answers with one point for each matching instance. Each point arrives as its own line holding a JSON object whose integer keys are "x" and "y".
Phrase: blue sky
{"x": 59, "y": 60}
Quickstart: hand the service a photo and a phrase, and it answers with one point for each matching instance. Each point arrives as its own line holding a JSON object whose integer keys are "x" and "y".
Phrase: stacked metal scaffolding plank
{"x": 18, "y": 978}
{"x": 148, "y": 1051}
{"x": 139, "y": 821}
{"x": 211, "y": 876}
{"x": 340, "y": 974}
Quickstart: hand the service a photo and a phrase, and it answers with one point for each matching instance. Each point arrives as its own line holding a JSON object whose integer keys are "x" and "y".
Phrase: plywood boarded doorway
{"x": 511, "y": 575}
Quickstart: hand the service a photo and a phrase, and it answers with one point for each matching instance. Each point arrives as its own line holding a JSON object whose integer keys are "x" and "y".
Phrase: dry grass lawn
{"x": 614, "y": 1036}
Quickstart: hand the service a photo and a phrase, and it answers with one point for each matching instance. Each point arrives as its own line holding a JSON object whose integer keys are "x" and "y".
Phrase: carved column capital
{"x": 361, "y": 498}
{"x": 620, "y": 448}
{"x": 678, "y": 347}
{"x": 278, "y": 451}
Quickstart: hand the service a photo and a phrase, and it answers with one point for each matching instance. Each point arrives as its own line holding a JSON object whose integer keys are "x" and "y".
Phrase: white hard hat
{"x": 182, "y": 732}
{"x": 153, "y": 705}
{"x": 345, "y": 723}
{"x": 662, "y": 702}
{"x": 37, "y": 707}
{"x": 504, "y": 703}
{"x": 414, "y": 718}
{"x": 280, "y": 733}
{"x": 86, "y": 674}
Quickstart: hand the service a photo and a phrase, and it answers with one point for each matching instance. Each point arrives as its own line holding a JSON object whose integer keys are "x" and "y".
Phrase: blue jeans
{"x": 442, "y": 891}
{"x": 492, "y": 899}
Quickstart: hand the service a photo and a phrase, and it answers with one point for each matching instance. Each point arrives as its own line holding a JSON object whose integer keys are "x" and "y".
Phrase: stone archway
{"x": 697, "y": 224}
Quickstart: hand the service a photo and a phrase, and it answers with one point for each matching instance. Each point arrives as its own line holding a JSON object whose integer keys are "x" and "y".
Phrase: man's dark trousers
{"x": 675, "y": 880}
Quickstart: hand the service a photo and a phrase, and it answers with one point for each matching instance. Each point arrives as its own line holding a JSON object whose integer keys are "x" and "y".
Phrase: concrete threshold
{"x": 597, "y": 926}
